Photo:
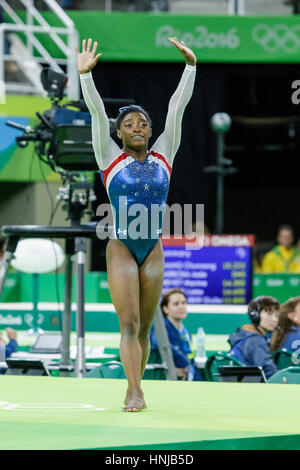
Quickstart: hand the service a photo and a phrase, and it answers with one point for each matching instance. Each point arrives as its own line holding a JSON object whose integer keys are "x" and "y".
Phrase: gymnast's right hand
{"x": 86, "y": 60}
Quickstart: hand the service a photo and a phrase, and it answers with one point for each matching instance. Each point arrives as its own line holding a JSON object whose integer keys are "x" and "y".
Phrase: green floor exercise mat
{"x": 71, "y": 413}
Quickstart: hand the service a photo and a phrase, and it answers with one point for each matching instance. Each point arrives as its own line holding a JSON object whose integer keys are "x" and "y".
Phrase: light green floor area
{"x": 72, "y": 413}
{"x": 112, "y": 340}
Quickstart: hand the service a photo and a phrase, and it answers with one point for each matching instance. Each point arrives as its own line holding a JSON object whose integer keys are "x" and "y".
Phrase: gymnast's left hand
{"x": 187, "y": 53}
{"x": 86, "y": 60}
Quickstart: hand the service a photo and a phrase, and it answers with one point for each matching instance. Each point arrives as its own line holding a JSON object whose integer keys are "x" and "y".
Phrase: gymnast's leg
{"x": 124, "y": 286}
{"x": 151, "y": 275}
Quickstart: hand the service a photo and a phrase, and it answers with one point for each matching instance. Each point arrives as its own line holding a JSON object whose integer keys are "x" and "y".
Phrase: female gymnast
{"x": 135, "y": 266}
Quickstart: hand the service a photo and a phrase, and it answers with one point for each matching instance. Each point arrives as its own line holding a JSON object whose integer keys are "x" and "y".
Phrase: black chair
{"x": 243, "y": 374}
{"x": 26, "y": 367}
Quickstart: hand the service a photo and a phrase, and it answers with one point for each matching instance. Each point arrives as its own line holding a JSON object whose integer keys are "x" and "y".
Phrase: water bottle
{"x": 200, "y": 356}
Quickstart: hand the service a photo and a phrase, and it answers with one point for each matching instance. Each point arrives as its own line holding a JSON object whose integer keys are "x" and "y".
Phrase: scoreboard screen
{"x": 219, "y": 272}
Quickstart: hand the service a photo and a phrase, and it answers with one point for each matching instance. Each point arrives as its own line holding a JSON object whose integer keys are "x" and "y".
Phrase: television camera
{"x": 63, "y": 140}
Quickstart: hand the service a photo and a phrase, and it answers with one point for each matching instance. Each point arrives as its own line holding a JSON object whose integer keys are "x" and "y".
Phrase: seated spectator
{"x": 174, "y": 309}
{"x": 7, "y": 348}
{"x": 249, "y": 344}
{"x": 284, "y": 257}
{"x": 287, "y": 333}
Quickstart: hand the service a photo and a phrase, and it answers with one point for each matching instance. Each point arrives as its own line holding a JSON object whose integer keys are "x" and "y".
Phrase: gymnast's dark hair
{"x": 131, "y": 109}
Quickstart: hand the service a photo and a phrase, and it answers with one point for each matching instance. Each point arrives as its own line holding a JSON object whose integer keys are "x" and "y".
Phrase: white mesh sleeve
{"x": 168, "y": 142}
{"x": 105, "y": 148}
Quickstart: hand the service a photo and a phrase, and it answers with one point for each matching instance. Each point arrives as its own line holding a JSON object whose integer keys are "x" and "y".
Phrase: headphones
{"x": 254, "y": 311}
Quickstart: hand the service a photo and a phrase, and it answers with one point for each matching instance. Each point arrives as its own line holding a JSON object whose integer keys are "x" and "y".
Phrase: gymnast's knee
{"x": 144, "y": 332}
{"x": 129, "y": 326}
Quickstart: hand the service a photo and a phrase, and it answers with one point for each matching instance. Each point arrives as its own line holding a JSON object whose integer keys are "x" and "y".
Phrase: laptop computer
{"x": 47, "y": 343}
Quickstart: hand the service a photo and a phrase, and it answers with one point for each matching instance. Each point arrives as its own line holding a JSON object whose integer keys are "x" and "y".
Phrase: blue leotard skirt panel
{"x": 140, "y": 248}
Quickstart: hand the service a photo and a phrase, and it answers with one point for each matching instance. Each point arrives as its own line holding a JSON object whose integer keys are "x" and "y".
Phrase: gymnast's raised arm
{"x": 104, "y": 146}
{"x": 168, "y": 142}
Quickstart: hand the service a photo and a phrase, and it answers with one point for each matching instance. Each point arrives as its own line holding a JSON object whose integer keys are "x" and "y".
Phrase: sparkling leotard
{"x": 137, "y": 190}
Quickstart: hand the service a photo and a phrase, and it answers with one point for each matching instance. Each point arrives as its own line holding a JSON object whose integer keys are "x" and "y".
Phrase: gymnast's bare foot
{"x": 134, "y": 401}
{"x": 127, "y": 396}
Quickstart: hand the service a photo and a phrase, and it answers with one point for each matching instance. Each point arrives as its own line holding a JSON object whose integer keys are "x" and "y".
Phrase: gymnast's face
{"x": 135, "y": 131}
{"x": 176, "y": 308}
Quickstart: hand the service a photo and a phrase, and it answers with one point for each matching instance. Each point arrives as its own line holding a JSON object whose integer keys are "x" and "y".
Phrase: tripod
{"x": 76, "y": 205}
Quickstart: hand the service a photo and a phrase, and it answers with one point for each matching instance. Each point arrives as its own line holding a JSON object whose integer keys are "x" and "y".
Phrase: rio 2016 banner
{"x": 144, "y": 36}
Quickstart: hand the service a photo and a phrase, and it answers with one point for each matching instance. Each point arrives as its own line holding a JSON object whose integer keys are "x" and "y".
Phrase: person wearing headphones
{"x": 250, "y": 343}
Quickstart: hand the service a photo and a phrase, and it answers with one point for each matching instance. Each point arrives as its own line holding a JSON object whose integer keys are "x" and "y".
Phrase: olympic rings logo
{"x": 277, "y": 38}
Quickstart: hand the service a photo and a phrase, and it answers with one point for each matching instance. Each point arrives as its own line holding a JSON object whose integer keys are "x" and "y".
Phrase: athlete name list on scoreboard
{"x": 218, "y": 273}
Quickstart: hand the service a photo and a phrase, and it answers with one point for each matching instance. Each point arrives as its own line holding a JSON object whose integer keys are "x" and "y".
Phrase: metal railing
{"x": 236, "y": 7}
{"x": 28, "y": 62}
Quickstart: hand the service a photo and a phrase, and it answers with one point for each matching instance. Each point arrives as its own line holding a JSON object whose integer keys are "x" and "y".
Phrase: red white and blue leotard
{"x": 129, "y": 182}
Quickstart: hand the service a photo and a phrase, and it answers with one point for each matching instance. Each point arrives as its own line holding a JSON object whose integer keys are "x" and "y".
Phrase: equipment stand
{"x": 65, "y": 364}
{"x": 80, "y": 249}
{"x": 76, "y": 236}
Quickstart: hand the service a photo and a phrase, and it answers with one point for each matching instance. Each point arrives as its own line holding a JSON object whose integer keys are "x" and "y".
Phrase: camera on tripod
{"x": 63, "y": 135}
